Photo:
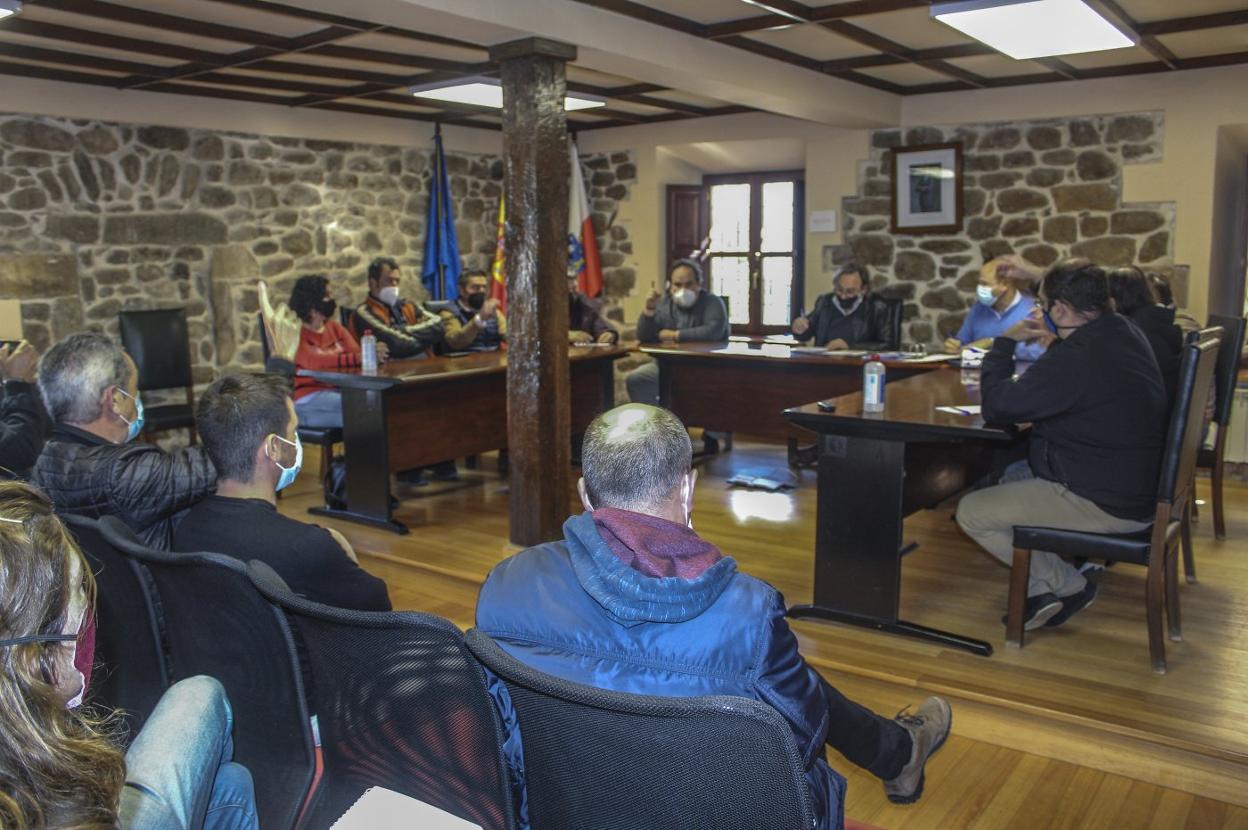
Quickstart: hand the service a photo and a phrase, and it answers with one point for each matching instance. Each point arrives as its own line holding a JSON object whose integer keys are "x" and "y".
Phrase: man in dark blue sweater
{"x": 1098, "y": 411}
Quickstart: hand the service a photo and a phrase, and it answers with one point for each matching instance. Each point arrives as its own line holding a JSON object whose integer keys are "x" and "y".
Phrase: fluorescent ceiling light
{"x": 9, "y": 7}
{"x": 1026, "y": 29}
{"x": 488, "y": 92}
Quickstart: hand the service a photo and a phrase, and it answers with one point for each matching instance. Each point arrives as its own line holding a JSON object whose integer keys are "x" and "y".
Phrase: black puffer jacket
{"x": 144, "y": 486}
{"x": 23, "y": 426}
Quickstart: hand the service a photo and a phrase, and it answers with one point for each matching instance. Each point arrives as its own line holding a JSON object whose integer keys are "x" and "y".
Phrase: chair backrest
{"x": 1228, "y": 364}
{"x": 890, "y": 326}
{"x": 158, "y": 343}
{"x": 1187, "y": 417}
{"x": 217, "y": 624}
{"x": 615, "y": 761}
{"x": 438, "y": 306}
{"x": 130, "y": 670}
{"x": 344, "y": 315}
{"x": 400, "y": 704}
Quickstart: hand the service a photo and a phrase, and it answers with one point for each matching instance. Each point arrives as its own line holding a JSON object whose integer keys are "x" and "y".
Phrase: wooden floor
{"x": 1073, "y": 731}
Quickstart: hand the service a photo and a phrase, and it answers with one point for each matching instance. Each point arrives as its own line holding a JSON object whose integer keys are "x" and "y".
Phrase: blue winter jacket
{"x": 573, "y": 610}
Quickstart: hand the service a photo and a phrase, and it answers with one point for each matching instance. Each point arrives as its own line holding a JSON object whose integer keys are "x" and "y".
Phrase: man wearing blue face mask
{"x": 850, "y": 317}
{"x": 92, "y": 465}
{"x": 999, "y": 306}
{"x": 248, "y": 423}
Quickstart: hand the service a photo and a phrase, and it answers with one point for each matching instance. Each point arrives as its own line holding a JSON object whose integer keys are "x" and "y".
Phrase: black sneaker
{"x": 1073, "y": 604}
{"x": 413, "y": 478}
{"x": 444, "y": 471}
{"x": 1038, "y": 611}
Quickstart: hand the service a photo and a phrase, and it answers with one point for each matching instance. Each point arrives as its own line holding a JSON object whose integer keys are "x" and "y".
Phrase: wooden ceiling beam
{"x": 164, "y": 22}
{"x": 355, "y": 53}
{"x": 840, "y": 11}
{"x": 77, "y": 59}
{"x": 963, "y": 50}
{"x": 52, "y": 31}
{"x": 902, "y": 53}
{"x": 649, "y": 15}
{"x": 249, "y": 56}
{"x": 1192, "y": 24}
{"x": 1150, "y": 43}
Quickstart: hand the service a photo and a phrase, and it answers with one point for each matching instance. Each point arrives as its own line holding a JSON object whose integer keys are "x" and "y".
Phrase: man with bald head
{"x": 633, "y": 600}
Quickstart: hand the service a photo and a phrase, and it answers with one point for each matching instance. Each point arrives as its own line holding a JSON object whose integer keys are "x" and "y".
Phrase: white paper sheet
{"x": 382, "y": 809}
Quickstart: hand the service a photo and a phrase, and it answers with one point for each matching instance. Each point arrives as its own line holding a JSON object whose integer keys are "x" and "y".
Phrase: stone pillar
{"x": 535, "y": 152}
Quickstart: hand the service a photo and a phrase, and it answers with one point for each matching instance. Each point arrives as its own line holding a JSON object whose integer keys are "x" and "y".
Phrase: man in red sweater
{"x": 325, "y": 345}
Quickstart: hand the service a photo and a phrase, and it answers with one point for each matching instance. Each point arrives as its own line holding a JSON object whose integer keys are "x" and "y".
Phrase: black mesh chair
{"x": 323, "y": 437}
{"x": 217, "y": 624}
{"x": 160, "y": 346}
{"x": 400, "y": 704}
{"x": 615, "y": 761}
{"x": 1156, "y": 547}
{"x": 130, "y": 672}
{"x": 1224, "y": 377}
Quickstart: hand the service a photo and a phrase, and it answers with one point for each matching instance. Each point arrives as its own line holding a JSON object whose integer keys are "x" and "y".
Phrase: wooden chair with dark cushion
{"x": 1155, "y": 547}
{"x": 1224, "y": 378}
{"x": 616, "y": 761}
{"x": 159, "y": 344}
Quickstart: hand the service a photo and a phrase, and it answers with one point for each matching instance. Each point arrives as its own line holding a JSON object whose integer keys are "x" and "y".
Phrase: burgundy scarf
{"x": 654, "y": 546}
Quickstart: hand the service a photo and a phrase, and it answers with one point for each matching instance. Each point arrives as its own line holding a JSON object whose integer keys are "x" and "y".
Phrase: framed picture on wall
{"x": 927, "y": 189}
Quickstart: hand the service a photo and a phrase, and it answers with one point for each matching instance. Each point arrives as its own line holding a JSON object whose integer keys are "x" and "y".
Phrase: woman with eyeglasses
{"x": 60, "y": 762}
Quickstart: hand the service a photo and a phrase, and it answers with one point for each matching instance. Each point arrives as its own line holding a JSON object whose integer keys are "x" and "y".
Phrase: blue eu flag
{"x": 441, "y": 267}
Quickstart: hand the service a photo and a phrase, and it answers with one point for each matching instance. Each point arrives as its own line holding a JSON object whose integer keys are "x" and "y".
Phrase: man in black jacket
{"x": 23, "y": 423}
{"x": 1098, "y": 411}
{"x": 849, "y": 317}
{"x": 90, "y": 466}
{"x": 248, "y": 426}
{"x": 407, "y": 329}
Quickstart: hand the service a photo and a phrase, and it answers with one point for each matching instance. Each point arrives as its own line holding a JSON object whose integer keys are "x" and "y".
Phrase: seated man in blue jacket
{"x": 999, "y": 307}
{"x": 633, "y": 600}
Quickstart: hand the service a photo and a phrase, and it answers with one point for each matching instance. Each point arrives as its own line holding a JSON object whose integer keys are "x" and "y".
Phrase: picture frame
{"x": 927, "y": 189}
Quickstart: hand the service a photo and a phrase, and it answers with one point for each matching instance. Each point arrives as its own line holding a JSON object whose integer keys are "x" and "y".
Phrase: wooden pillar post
{"x": 535, "y": 149}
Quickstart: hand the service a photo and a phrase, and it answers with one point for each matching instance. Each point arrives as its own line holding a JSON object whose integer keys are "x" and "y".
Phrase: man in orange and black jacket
{"x": 408, "y": 329}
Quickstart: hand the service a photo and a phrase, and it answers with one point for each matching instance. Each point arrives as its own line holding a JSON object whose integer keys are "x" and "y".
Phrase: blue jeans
{"x": 322, "y": 408}
{"x": 179, "y": 775}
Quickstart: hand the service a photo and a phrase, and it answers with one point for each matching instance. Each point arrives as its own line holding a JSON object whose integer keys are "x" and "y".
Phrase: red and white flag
{"x": 582, "y": 243}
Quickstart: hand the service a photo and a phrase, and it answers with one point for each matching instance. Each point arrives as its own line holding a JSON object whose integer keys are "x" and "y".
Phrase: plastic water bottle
{"x": 873, "y": 385}
{"x": 368, "y": 350}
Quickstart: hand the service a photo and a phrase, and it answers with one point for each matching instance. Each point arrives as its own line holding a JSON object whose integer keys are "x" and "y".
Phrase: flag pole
{"x": 437, "y": 192}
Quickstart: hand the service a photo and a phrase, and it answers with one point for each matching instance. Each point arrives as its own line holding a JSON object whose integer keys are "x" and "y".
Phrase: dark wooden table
{"x": 877, "y": 468}
{"x": 746, "y": 386}
{"x": 415, "y": 413}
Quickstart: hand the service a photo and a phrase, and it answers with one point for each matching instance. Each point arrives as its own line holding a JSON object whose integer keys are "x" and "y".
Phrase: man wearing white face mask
{"x": 248, "y": 423}
{"x": 92, "y": 466}
{"x": 999, "y": 306}
{"x": 633, "y": 600}
{"x": 688, "y": 313}
{"x": 407, "y": 329}
{"x": 849, "y": 317}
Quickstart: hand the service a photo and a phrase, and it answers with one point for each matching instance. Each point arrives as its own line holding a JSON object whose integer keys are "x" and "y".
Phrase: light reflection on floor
{"x": 757, "y": 504}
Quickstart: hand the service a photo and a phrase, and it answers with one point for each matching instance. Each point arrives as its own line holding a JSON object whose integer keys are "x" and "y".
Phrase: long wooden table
{"x": 877, "y": 468}
{"x": 746, "y": 386}
{"x": 415, "y": 413}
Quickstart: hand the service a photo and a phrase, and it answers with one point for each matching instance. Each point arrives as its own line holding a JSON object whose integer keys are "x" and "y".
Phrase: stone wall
{"x": 1042, "y": 189}
{"x": 98, "y": 217}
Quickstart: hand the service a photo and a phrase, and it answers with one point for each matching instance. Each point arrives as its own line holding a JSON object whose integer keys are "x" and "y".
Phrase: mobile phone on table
{"x": 826, "y": 406}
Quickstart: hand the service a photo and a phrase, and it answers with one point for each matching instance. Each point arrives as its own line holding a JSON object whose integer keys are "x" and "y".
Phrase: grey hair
{"x": 633, "y": 456}
{"x": 75, "y": 372}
